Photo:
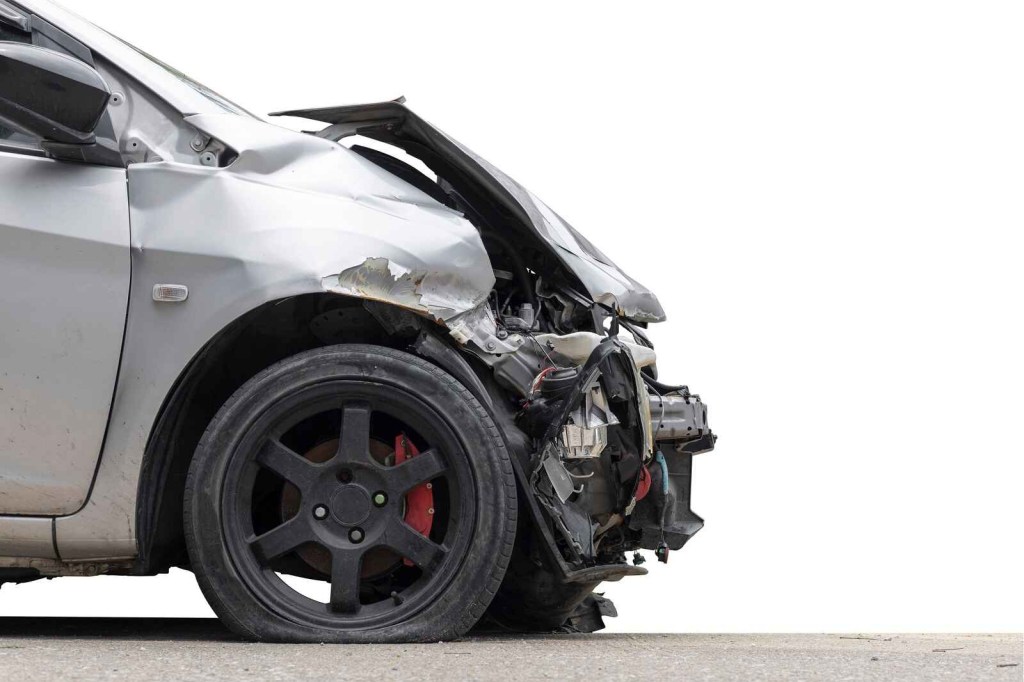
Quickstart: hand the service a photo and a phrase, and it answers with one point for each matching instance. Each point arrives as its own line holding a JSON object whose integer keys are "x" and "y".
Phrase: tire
{"x": 295, "y": 478}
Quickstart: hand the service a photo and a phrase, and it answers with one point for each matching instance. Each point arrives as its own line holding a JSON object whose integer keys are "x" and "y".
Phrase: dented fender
{"x": 292, "y": 214}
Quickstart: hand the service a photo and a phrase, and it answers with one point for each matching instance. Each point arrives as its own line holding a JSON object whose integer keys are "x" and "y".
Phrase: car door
{"x": 64, "y": 279}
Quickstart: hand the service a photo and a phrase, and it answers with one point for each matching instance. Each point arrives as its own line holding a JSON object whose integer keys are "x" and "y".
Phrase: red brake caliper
{"x": 419, "y": 502}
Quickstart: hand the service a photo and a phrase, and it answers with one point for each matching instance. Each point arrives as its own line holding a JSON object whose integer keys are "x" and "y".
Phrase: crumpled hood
{"x": 605, "y": 282}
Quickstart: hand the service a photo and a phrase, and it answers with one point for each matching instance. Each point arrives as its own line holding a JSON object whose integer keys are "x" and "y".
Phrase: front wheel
{"x": 350, "y": 494}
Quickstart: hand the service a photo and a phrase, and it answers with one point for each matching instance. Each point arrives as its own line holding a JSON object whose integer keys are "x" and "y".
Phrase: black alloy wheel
{"x": 351, "y": 493}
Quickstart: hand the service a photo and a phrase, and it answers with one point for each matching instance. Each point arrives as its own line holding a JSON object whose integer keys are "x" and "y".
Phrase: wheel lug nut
{"x": 356, "y": 535}
{"x": 320, "y": 512}
{"x": 380, "y": 499}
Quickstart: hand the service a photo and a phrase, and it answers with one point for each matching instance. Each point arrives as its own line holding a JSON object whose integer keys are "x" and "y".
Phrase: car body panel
{"x": 244, "y": 213}
{"x": 26, "y": 537}
{"x": 290, "y": 212}
{"x": 64, "y": 275}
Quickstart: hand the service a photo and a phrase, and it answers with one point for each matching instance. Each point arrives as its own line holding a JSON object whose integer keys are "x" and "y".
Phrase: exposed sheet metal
{"x": 677, "y": 417}
{"x": 440, "y": 295}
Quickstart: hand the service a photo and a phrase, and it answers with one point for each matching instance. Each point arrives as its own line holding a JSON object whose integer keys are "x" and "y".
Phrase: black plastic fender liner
{"x": 428, "y": 346}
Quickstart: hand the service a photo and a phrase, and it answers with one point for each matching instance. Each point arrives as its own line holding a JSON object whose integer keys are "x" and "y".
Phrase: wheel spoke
{"x": 286, "y": 463}
{"x": 354, "y": 445}
{"x": 413, "y": 546}
{"x": 345, "y": 570}
{"x": 412, "y": 472}
{"x": 281, "y": 540}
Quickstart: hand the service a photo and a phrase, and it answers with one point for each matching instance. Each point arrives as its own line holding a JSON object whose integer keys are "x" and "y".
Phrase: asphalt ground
{"x": 200, "y": 649}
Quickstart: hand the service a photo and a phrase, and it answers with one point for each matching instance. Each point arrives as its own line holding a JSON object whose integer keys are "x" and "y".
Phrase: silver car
{"x": 363, "y": 384}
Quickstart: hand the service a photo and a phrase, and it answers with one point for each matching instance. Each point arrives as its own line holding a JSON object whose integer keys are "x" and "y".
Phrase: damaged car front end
{"x": 603, "y": 448}
{"x": 361, "y": 357}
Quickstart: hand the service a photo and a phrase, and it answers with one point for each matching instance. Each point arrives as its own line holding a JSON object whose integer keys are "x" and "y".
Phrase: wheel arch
{"x": 244, "y": 347}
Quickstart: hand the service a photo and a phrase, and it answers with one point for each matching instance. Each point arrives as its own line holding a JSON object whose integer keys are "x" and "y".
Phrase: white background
{"x": 826, "y": 196}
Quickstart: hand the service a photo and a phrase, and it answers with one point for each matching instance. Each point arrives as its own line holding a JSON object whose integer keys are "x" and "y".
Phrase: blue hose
{"x": 660, "y": 459}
